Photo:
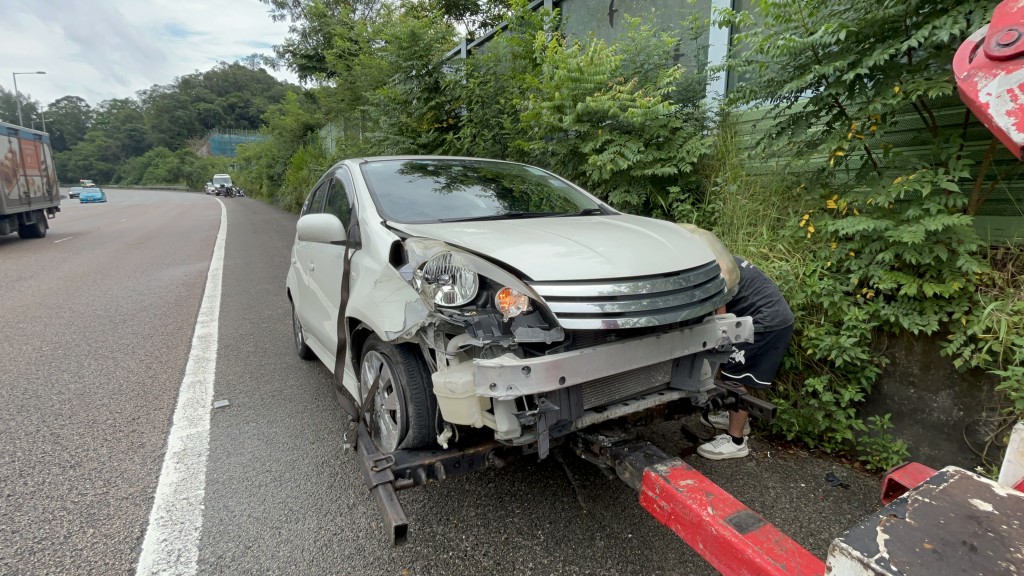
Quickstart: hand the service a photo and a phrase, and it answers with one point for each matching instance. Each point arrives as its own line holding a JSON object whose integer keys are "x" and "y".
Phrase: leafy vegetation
{"x": 884, "y": 240}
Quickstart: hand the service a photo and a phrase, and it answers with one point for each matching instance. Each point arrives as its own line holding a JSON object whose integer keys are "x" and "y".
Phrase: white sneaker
{"x": 722, "y": 447}
{"x": 720, "y": 421}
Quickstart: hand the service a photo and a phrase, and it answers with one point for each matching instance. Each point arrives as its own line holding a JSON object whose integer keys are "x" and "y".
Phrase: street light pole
{"x": 17, "y": 98}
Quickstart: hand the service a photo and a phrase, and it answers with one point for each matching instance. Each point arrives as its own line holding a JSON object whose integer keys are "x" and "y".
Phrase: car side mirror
{"x": 325, "y": 228}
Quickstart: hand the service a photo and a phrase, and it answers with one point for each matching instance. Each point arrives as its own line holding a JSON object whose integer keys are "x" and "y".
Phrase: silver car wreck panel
{"x": 508, "y": 376}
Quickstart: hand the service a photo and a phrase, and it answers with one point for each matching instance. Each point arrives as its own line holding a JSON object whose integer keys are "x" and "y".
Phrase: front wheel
{"x": 403, "y": 406}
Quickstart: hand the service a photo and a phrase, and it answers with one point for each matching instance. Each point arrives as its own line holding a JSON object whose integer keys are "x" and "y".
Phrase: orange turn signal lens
{"x": 511, "y": 302}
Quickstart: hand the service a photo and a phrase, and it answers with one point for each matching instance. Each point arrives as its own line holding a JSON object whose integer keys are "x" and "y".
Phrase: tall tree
{"x": 122, "y": 120}
{"x": 68, "y": 119}
{"x": 9, "y": 107}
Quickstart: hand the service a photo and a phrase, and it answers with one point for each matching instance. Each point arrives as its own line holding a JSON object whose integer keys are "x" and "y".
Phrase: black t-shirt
{"x": 758, "y": 297}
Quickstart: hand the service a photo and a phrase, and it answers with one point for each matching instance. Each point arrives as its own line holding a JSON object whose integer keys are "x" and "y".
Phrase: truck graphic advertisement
{"x": 29, "y": 191}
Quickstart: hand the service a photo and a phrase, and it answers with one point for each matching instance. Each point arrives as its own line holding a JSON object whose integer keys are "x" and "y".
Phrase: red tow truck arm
{"x": 989, "y": 72}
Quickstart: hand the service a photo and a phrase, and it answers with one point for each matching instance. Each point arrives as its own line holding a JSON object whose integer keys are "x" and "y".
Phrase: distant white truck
{"x": 29, "y": 191}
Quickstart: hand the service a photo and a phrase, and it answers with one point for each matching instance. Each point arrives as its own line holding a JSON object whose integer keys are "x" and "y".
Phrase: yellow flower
{"x": 897, "y": 180}
{"x": 834, "y": 245}
{"x": 896, "y": 89}
{"x": 852, "y": 254}
{"x": 828, "y": 264}
{"x": 856, "y": 212}
{"x": 810, "y": 229}
{"x": 831, "y": 204}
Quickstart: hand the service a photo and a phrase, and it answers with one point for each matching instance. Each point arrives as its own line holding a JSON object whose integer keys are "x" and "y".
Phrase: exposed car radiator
{"x": 611, "y": 389}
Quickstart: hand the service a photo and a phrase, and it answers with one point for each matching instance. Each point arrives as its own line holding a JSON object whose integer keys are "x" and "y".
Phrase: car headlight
{"x": 450, "y": 279}
{"x": 511, "y": 302}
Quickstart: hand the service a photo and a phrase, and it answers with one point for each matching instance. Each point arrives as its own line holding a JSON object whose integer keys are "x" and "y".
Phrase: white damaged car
{"x": 494, "y": 295}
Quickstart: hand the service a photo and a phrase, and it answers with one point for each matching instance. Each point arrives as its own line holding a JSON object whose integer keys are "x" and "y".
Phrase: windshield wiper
{"x": 503, "y": 216}
{"x": 511, "y": 215}
{"x": 585, "y": 212}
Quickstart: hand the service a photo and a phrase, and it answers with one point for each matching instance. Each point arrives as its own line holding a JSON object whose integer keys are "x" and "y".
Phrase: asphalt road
{"x": 97, "y": 334}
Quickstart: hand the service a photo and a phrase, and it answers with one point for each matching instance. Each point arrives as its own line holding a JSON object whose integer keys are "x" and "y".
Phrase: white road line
{"x": 171, "y": 545}
{"x": 63, "y": 239}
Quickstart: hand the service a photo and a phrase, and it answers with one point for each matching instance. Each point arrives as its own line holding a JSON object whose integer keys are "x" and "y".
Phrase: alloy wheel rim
{"x": 297, "y": 329}
{"x": 385, "y": 420}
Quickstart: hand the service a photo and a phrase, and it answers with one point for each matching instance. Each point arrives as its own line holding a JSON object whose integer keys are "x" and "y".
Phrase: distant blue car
{"x": 92, "y": 195}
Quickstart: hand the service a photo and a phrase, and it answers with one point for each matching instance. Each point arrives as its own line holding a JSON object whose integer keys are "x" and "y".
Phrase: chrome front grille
{"x": 611, "y": 389}
{"x": 635, "y": 302}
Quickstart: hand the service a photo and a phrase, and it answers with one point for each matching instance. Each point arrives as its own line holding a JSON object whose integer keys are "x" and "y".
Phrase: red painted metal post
{"x": 734, "y": 539}
{"x": 903, "y": 478}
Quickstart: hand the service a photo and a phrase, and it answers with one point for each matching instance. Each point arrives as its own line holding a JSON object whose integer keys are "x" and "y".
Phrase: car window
{"x": 339, "y": 199}
{"x": 314, "y": 204}
{"x": 437, "y": 190}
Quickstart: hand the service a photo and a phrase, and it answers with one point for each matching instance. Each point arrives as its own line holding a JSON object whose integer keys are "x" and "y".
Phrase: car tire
{"x": 301, "y": 348}
{"x": 36, "y": 229}
{"x": 403, "y": 411}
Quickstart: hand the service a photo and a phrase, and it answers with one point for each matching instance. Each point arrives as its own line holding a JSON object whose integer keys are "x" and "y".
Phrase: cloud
{"x": 105, "y": 49}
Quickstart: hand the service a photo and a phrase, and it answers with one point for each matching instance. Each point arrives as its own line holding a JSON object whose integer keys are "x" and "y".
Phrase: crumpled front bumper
{"x": 487, "y": 392}
{"x": 508, "y": 376}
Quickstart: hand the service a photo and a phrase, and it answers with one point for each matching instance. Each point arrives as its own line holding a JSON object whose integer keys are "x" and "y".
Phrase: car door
{"x": 302, "y": 262}
{"x": 329, "y": 260}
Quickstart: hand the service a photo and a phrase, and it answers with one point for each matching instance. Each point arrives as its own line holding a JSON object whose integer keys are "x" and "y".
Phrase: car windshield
{"x": 442, "y": 190}
{"x": 222, "y": 180}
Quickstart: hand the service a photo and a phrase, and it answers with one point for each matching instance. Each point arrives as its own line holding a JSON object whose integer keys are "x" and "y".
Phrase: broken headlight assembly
{"x": 464, "y": 289}
{"x": 449, "y": 279}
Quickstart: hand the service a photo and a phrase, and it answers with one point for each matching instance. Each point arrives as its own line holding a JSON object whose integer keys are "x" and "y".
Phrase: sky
{"x": 101, "y": 49}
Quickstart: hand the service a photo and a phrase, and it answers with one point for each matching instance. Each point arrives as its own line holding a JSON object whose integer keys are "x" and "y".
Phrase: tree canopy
{"x": 105, "y": 142}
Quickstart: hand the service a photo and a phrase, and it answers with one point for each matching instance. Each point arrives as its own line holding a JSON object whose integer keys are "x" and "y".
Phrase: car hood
{"x": 575, "y": 247}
